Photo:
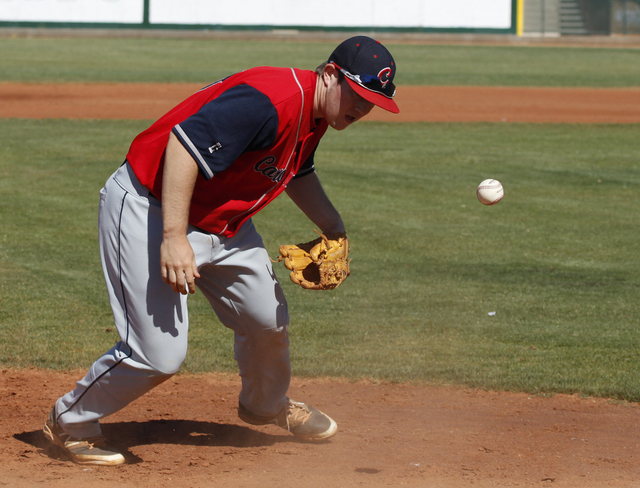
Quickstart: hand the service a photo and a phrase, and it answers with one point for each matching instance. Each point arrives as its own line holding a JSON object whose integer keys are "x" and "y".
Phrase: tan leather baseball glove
{"x": 321, "y": 264}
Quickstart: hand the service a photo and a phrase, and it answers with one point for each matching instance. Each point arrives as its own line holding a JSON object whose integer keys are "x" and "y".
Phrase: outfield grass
{"x": 556, "y": 259}
{"x": 204, "y": 61}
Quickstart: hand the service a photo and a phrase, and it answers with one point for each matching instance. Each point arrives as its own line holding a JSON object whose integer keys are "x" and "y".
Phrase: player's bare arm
{"x": 307, "y": 193}
{"x": 177, "y": 260}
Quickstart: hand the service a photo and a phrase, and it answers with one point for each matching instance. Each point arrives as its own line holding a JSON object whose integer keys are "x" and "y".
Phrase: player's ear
{"x": 330, "y": 71}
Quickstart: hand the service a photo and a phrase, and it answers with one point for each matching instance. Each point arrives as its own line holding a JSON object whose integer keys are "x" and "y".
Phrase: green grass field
{"x": 204, "y": 61}
{"x": 556, "y": 260}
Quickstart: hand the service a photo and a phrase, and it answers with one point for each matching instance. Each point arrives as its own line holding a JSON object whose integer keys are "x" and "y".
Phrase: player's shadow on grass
{"x": 124, "y": 435}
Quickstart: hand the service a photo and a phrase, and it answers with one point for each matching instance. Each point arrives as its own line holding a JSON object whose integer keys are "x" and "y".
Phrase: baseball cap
{"x": 369, "y": 68}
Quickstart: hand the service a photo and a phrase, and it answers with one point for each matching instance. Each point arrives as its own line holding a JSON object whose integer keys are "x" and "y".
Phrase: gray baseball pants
{"x": 152, "y": 320}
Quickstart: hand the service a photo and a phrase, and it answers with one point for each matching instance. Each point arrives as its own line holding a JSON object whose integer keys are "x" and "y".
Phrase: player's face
{"x": 343, "y": 106}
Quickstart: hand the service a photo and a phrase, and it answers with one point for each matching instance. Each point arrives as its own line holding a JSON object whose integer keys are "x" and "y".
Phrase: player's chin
{"x": 345, "y": 122}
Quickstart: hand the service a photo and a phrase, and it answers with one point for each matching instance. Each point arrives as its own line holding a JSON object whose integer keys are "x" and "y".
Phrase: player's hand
{"x": 178, "y": 264}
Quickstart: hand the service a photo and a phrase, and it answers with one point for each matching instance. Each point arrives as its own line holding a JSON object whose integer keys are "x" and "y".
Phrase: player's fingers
{"x": 191, "y": 278}
{"x": 172, "y": 280}
{"x": 168, "y": 275}
{"x": 190, "y": 283}
{"x": 181, "y": 282}
{"x": 165, "y": 275}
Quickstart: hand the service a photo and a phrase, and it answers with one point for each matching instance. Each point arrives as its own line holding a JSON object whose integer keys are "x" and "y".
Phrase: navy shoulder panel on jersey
{"x": 240, "y": 120}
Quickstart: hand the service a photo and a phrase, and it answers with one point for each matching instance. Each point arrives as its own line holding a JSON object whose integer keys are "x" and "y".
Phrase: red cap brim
{"x": 373, "y": 97}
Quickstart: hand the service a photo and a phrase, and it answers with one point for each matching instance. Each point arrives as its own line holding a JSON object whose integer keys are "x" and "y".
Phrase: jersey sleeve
{"x": 240, "y": 120}
{"x": 308, "y": 166}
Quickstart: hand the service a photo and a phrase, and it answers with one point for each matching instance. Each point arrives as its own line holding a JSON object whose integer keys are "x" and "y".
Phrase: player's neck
{"x": 318, "y": 99}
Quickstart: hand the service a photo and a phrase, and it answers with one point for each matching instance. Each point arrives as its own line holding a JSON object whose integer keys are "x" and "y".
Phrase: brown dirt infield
{"x": 185, "y": 433}
{"x": 431, "y": 103}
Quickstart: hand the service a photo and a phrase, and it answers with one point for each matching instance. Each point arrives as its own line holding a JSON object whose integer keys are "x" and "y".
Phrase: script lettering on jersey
{"x": 267, "y": 167}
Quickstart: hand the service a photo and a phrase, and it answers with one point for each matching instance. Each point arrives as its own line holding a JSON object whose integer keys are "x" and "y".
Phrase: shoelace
{"x": 92, "y": 443}
{"x": 298, "y": 414}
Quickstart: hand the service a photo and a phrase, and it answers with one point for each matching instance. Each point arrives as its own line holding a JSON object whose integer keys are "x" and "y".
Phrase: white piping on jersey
{"x": 195, "y": 151}
{"x": 288, "y": 161}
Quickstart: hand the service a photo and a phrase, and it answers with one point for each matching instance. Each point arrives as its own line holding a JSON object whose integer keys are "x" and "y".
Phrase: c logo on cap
{"x": 383, "y": 76}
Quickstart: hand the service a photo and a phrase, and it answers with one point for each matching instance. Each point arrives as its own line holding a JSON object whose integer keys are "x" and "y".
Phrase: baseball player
{"x": 177, "y": 214}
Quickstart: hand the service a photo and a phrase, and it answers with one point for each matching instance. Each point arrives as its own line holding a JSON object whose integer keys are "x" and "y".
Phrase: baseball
{"x": 490, "y": 192}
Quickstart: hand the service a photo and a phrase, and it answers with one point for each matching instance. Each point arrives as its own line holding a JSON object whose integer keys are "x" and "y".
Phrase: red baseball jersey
{"x": 250, "y": 134}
